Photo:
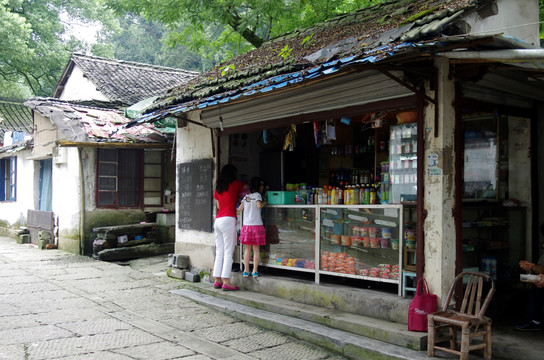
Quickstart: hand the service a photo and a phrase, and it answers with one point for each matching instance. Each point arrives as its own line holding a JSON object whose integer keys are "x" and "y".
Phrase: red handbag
{"x": 423, "y": 303}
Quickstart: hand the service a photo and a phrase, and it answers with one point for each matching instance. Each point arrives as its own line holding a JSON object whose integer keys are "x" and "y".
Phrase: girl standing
{"x": 253, "y": 233}
{"x": 226, "y": 194}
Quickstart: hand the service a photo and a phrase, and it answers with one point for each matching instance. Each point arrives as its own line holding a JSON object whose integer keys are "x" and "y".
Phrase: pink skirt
{"x": 253, "y": 235}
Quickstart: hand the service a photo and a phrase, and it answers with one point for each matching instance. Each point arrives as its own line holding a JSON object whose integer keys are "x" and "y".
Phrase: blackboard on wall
{"x": 195, "y": 195}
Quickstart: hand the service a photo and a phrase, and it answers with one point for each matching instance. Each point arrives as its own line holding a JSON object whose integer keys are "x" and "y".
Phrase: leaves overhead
{"x": 35, "y": 46}
{"x": 226, "y": 28}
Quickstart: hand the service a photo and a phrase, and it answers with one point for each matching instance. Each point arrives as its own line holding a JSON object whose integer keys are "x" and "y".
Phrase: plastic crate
{"x": 281, "y": 197}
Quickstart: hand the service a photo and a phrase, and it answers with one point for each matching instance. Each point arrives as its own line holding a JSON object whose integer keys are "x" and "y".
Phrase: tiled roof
{"x": 84, "y": 124}
{"x": 14, "y": 116}
{"x": 369, "y": 35}
{"x": 125, "y": 81}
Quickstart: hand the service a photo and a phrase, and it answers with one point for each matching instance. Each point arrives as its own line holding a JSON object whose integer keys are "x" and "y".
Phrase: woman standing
{"x": 253, "y": 234}
{"x": 226, "y": 195}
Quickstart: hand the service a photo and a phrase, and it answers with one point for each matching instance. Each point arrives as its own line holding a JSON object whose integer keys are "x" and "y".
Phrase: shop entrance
{"x": 342, "y": 196}
{"x": 497, "y": 204}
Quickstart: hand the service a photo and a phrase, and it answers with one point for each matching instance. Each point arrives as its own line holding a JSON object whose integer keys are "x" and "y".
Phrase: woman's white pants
{"x": 225, "y": 243}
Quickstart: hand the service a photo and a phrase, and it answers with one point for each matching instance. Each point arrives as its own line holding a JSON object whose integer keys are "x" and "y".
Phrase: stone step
{"x": 347, "y": 343}
{"x": 355, "y": 324}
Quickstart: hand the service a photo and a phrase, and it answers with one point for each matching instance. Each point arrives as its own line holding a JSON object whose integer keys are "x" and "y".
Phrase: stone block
{"x": 170, "y": 259}
{"x": 180, "y": 261}
{"x": 24, "y": 239}
{"x": 176, "y": 273}
{"x": 44, "y": 235}
{"x": 166, "y": 219}
{"x": 42, "y": 243}
{"x": 192, "y": 277}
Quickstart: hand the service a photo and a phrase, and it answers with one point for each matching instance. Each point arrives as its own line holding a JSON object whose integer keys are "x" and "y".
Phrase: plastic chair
{"x": 469, "y": 319}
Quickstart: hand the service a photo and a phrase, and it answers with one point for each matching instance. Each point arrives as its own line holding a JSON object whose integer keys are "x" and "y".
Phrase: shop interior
{"x": 307, "y": 164}
{"x": 378, "y": 151}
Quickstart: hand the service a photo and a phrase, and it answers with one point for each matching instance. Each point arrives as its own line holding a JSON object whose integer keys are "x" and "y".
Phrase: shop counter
{"x": 355, "y": 241}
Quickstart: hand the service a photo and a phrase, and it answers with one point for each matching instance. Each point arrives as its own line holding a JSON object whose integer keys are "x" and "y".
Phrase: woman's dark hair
{"x": 227, "y": 175}
{"x": 255, "y": 184}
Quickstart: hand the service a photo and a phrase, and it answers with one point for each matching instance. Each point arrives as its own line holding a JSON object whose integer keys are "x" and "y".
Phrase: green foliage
{"x": 227, "y": 69}
{"x": 541, "y": 18}
{"x": 308, "y": 40}
{"x": 223, "y": 28}
{"x": 285, "y": 52}
{"x": 35, "y": 46}
{"x": 417, "y": 16}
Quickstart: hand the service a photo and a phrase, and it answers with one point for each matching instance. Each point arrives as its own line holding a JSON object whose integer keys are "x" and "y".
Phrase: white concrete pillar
{"x": 439, "y": 183}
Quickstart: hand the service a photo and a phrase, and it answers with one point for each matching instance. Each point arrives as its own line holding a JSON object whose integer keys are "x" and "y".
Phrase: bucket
{"x": 395, "y": 244}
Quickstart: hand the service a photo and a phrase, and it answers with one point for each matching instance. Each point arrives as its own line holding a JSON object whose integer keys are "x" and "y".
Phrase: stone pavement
{"x": 55, "y": 305}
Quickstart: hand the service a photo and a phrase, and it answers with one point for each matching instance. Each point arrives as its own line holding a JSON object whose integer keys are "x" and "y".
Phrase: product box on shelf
{"x": 281, "y": 197}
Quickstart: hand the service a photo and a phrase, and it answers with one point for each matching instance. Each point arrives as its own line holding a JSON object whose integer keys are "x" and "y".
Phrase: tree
{"x": 144, "y": 41}
{"x": 35, "y": 46}
{"x": 244, "y": 24}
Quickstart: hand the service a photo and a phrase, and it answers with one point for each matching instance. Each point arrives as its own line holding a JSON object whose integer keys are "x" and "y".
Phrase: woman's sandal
{"x": 230, "y": 288}
{"x": 217, "y": 285}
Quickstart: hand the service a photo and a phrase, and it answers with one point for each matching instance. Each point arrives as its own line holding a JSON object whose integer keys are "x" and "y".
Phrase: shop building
{"x": 430, "y": 117}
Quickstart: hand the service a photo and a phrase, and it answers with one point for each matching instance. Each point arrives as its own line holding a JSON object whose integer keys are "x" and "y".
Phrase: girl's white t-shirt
{"x": 252, "y": 214}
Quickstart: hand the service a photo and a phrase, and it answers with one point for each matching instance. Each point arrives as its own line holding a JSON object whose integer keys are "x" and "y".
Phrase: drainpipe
{"x": 496, "y": 55}
{"x": 81, "y": 204}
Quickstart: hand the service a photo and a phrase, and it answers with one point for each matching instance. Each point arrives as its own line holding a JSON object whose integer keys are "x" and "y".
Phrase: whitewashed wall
{"x": 13, "y": 212}
{"x": 194, "y": 143}
{"x": 79, "y": 87}
{"x": 516, "y": 18}
{"x": 66, "y": 195}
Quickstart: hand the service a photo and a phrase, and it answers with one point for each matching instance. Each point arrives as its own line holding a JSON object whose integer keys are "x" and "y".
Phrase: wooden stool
{"x": 408, "y": 275}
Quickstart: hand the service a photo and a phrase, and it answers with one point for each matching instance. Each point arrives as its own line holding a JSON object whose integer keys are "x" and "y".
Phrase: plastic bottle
{"x": 372, "y": 198}
{"x": 493, "y": 267}
{"x": 329, "y": 195}
{"x": 356, "y": 193}
{"x": 366, "y": 200}
{"x": 333, "y": 200}
{"x": 340, "y": 194}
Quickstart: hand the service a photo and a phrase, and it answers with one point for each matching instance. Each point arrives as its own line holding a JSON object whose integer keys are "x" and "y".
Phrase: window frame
{"x": 8, "y": 178}
{"x": 119, "y": 177}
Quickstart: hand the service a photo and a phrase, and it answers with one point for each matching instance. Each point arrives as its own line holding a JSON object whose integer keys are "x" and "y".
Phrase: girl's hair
{"x": 255, "y": 184}
{"x": 227, "y": 175}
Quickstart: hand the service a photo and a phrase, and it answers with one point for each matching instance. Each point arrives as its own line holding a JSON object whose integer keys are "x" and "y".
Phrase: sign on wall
{"x": 195, "y": 195}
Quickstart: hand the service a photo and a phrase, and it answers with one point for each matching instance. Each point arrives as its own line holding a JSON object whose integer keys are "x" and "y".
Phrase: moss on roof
{"x": 357, "y": 33}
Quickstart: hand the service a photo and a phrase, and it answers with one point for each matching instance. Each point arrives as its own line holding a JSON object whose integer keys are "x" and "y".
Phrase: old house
{"x": 436, "y": 104}
{"x": 88, "y": 171}
{"x": 16, "y": 176}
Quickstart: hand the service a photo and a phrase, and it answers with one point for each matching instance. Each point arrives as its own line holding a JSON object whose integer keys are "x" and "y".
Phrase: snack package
{"x": 529, "y": 278}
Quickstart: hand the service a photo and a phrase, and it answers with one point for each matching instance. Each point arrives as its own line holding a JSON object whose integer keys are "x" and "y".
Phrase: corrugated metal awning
{"x": 348, "y": 90}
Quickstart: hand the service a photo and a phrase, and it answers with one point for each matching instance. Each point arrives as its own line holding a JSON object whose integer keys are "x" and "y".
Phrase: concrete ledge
{"x": 382, "y": 330}
{"x": 366, "y": 302}
{"x": 348, "y": 344}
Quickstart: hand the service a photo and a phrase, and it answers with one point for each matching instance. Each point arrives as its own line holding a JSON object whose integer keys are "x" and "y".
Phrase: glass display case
{"x": 357, "y": 241}
{"x": 480, "y": 158}
{"x": 403, "y": 163}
